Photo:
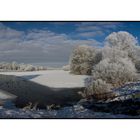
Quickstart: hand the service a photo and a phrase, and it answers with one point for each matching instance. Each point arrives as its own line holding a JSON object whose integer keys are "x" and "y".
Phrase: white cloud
{"x": 37, "y": 45}
{"x": 87, "y": 28}
{"x": 90, "y": 29}
{"x": 91, "y": 34}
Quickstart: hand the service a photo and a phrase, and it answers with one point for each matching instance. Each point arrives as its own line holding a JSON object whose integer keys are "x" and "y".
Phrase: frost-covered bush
{"x": 116, "y": 66}
{"x": 40, "y": 68}
{"x": 98, "y": 56}
{"x": 82, "y": 60}
{"x": 115, "y": 71}
{"x": 137, "y": 58}
{"x": 19, "y": 67}
{"x": 109, "y": 73}
{"x": 98, "y": 89}
{"x": 66, "y": 67}
{"x": 113, "y": 53}
{"x": 123, "y": 41}
{"x": 137, "y": 65}
{"x": 122, "y": 45}
{"x": 14, "y": 66}
{"x": 22, "y": 67}
{"x": 29, "y": 68}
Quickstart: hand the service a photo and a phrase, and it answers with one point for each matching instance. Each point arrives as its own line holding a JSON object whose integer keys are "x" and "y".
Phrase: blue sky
{"x": 72, "y": 29}
{"x": 53, "y": 41}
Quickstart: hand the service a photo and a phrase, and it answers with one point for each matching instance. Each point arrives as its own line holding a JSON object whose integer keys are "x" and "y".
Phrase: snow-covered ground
{"x": 75, "y": 111}
{"x": 52, "y": 78}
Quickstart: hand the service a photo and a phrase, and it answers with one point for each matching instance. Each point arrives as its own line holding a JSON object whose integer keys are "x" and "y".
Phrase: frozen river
{"x": 52, "y": 78}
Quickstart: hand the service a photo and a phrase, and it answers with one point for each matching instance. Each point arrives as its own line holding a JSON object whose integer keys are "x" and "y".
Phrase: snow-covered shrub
{"x": 98, "y": 89}
{"x": 113, "y": 53}
{"x": 66, "y": 67}
{"x": 137, "y": 58}
{"x": 137, "y": 65}
{"x": 14, "y": 66}
{"x": 41, "y": 68}
{"x": 19, "y": 67}
{"x": 123, "y": 41}
{"x": 116, "y": 66}
{"x": 82, "y": 60}
{"x": 115, "y": 71}
{"x": 109, "y": 73}
{"x": 22, "y": 67}
{"x": 98, "y": 56}
{"x": 29, "y": 68}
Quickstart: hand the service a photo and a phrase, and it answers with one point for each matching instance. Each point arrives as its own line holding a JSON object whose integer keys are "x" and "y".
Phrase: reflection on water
{"x": 50, "y": 64}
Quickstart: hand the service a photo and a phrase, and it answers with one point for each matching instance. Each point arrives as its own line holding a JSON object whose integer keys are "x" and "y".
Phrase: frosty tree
{"x": 98, "y": 89}
{"x": 82, "y": 60}
{"x": 115, "y": 71}
{"x": 117, "y": 66}
{"x": 115, "y": 53}
{"x": 137, "y": 58}
{"x": 123, "y": 41}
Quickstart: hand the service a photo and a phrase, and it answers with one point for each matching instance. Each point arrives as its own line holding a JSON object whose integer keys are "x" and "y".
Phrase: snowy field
{"x": 52, "y": 78}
